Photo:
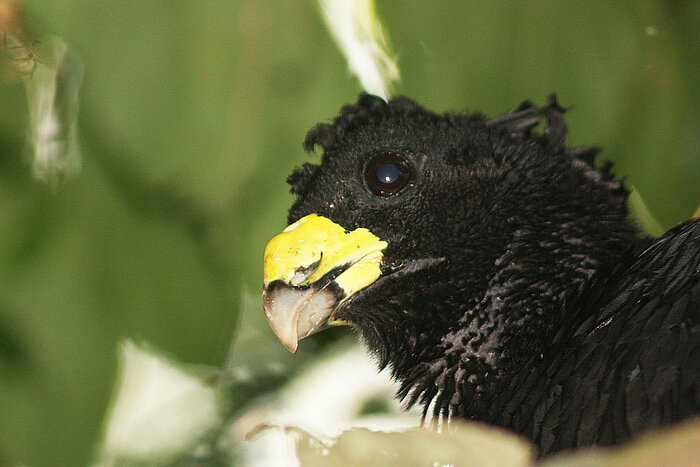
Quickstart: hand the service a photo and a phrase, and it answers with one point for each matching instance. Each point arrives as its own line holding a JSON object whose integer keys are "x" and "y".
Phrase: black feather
{"x": 301, "y": 177}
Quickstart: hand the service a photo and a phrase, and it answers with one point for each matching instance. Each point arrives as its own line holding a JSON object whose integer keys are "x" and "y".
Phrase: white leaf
{"x": 52, "y": 80}
{"x": 324, "y": 400}
{"x": 356, "y": 28}
{"x": 159, "y": 411}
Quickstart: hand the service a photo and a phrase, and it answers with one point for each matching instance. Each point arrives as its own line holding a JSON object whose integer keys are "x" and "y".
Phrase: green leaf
{"x": 464, "y": 444}
{"x": 676, "y": 446}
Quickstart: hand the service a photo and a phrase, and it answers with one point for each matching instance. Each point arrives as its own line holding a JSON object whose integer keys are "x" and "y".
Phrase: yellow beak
{"x": 311, "y": 268}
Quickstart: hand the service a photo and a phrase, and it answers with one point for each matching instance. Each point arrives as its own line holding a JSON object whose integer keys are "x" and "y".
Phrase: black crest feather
{"x": 301, "y": 177}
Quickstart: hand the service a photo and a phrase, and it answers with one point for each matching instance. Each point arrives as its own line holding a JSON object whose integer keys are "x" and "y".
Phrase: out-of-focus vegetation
{"x": 192, "y": 113}
{"x": 474, "y": 444}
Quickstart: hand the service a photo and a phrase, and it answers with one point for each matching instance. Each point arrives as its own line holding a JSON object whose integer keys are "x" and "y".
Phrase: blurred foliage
{"x": 466, "y": 444}
{"x": 192, "y": 114}
{"x": 475, "y": 444}
{"x": 677, "y": 446}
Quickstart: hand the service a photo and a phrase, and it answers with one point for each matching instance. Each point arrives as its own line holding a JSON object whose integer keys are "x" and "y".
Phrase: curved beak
{"x": 310, "y": 269}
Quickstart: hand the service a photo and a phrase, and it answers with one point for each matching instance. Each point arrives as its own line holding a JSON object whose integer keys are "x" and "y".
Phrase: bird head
{"x": 449, "y": 242}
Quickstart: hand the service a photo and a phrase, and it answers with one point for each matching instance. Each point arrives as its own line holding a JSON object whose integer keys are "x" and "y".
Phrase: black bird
{"x": 493, "y": 270}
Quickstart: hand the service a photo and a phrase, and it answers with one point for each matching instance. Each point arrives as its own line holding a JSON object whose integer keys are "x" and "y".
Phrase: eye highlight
{"x": 387, "y": 174}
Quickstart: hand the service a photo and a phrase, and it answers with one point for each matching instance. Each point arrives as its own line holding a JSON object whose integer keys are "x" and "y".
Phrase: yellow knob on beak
{"x": 310, "y": 269}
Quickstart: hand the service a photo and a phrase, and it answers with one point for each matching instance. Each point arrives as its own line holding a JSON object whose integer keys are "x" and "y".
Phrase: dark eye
{"x": 387, "y": 174}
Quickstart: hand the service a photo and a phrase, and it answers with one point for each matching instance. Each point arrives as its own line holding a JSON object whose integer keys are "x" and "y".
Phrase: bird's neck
{"x": 499, "y": 345}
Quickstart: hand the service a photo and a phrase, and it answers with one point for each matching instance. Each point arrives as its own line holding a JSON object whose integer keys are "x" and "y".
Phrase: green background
{"x": 193, "y": 113}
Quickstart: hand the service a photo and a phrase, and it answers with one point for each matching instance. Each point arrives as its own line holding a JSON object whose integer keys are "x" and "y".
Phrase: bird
{"x": 493, "y": 270}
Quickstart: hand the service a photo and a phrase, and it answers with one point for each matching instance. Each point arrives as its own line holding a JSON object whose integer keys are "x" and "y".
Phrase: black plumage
{"x": 514, "y": 288}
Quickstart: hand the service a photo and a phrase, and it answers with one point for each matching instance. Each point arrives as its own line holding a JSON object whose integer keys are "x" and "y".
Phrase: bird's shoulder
{"x": 644, "y": 293}
{"x": 633, "y": 360}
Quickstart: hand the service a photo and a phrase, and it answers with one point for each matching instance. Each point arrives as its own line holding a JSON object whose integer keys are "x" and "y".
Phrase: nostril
{"x": 302, "y": 273}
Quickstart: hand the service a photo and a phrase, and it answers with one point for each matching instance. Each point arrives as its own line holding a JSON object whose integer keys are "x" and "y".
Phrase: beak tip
{"x": 295, "y": 313}
{"x": 289, "y": 342}
{"x": 291, "y": 346}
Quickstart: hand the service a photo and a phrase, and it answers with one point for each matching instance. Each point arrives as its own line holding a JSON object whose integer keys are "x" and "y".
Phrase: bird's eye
{"x": 387, "y": 174}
